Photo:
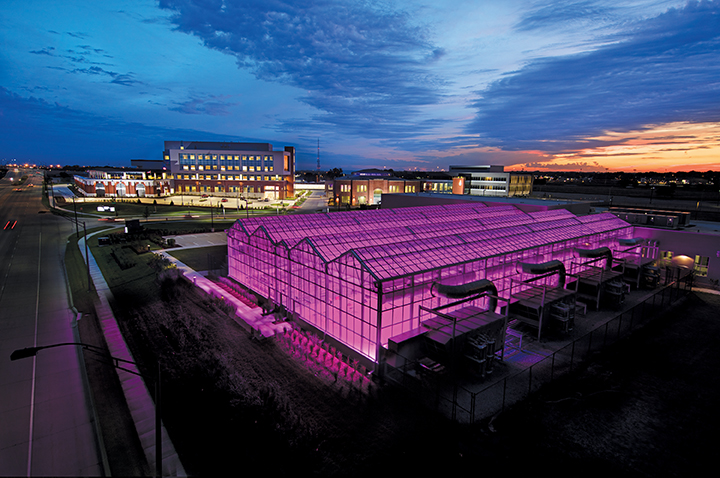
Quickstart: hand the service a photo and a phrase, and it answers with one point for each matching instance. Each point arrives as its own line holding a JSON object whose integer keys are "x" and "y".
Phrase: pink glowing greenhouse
{"x": 360, "y": 277}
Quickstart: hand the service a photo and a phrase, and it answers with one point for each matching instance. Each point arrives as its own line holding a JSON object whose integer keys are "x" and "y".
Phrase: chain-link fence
{"x": 465, "y": 405}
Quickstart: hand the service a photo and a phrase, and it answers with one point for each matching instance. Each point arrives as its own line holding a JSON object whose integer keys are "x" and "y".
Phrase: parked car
{"x": 204, "y": 195}
{"x": 223, "y": 200}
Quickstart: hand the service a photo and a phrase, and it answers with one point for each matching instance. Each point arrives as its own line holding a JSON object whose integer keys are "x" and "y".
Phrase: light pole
{"x": 77, "y": 226}
{"x": 32, "y": 352}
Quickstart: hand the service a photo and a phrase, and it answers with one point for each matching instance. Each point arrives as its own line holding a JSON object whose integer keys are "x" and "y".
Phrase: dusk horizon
{"x": 591, "y": 86}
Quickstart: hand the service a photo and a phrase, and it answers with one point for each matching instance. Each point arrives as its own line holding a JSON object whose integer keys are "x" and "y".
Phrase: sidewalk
{"x": 250, "y": 316}
{"x": 139, "y": 400}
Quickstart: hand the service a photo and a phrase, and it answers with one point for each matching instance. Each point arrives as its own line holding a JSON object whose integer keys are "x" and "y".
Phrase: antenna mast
{"x": 318, "y": 157}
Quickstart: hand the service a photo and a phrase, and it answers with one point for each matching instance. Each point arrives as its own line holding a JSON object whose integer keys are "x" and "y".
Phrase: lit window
{"x": 200, "y": 168}
{"x": 192, "y": 167}
{"x": 252, "y": 168}
{"x": 267, "y": 178}
{"x": 185, "y": 167}
{"x": 271, "y": 168}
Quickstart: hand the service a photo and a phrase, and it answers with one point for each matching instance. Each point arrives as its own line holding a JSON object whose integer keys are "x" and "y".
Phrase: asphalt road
{"x": 44, "y": 417}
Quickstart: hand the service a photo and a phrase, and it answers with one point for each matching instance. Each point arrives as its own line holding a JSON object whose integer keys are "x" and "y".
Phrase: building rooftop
{"x": 391, "y": 243}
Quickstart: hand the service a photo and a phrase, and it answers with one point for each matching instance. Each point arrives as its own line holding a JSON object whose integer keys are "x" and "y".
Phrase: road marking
{"x": 32, "y": 390}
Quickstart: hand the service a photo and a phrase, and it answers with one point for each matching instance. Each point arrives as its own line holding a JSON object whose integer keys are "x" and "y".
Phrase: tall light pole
{"x": 77, "y": 226}
{"x": 116, "y": 362}
{"x": 87, "y": 258}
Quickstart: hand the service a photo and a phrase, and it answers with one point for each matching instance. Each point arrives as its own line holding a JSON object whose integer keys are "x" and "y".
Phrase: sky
{"x": 606, "y": 85}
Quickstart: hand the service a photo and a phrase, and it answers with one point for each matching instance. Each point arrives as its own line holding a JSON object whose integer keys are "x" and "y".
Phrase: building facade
{"x": 121, "y": 182}
{"x": 367, "y": 186}
{"x": 251, "y": 170}
{"x": 492, "y": 181}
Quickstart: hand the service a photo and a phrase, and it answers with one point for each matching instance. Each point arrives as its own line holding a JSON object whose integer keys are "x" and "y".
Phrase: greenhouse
{"x": 361, "y": 277}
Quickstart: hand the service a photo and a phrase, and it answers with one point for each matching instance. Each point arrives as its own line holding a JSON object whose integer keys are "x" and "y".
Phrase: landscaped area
{"x": 645, "y": 406}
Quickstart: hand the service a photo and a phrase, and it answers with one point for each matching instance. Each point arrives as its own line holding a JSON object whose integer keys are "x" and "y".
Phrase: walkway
{"x": 250, "y": 315}
{"x": 140, "y": 403}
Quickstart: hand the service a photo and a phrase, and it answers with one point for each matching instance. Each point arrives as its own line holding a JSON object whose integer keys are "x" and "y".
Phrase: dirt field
{"x": 644, "y": 407}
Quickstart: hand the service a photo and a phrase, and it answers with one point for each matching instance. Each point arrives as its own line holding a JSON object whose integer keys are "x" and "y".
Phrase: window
{"x": 192, "y": 156}
{"x": 271, "y": 168}
{"x": 362, "y": 188}
{"x": 252, "y": 168}
{"x": 701, "y": 266}
{"x": 185, "y": 167}
{"x": 409, "y": 189}
{"x": 245, "y": 168}
{"x": 267, "y": 178}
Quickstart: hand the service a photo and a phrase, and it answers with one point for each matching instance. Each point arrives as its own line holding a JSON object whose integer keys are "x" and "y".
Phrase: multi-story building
{"x": 492, "y": 181}
{"x": 249, "y": 169}
{"x": 367, "y": 186}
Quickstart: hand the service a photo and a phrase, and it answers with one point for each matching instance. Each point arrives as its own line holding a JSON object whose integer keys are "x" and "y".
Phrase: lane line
{"x": 32, "y": 390}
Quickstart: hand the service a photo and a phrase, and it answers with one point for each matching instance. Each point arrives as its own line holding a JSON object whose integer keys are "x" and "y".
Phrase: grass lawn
{"x": 201, "y": 258}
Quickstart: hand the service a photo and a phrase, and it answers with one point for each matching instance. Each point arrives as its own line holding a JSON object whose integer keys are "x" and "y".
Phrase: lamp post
{"x": 116, "y": 362}
{"x": 77, "y": 226}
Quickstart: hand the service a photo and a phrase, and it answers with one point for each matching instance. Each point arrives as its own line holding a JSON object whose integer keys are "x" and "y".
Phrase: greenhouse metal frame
{"x": 360, "y": 276}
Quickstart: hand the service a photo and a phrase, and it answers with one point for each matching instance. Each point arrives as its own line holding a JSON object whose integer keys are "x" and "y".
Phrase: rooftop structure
{"x": 360, "y": 277}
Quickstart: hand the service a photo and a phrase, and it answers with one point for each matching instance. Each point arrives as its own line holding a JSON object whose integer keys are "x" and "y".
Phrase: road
{"x": 46, "y": 422}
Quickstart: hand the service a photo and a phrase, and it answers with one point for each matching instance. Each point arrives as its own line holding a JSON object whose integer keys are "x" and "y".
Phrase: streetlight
{"x": 32, "y": 352}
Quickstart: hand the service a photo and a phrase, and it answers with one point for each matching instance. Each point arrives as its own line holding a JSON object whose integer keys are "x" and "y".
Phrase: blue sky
{"x": 583, "y": 85}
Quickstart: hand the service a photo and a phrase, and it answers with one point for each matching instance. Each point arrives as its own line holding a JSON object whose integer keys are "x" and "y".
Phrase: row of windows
{"x": 487, "y": 187}
{"x": 491, "y": 178}
{"x": 200, "y": 167}
{"x": 223, "y": 177}
{"x": 214, "y": 157}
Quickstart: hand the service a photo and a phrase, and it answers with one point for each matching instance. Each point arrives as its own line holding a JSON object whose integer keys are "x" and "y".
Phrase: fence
{"x": 468, "y": 406}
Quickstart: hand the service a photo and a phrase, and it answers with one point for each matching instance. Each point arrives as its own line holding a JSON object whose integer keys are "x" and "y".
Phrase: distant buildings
{"x": 366, "y": 187}
{"x": 492, "y": 181}
{"x": 252, "y": 170}
{"x": 121, "y": 182}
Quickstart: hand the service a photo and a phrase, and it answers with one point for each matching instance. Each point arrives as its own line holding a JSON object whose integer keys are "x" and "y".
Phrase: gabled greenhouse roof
{"x": 396, "y": 242}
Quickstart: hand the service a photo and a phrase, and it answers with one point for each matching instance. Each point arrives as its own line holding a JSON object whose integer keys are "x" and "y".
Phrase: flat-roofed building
{"x": 485, "y": 180}
{"x": 253, "y": 170}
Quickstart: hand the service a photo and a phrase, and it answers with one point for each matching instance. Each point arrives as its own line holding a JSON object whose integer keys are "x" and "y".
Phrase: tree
{"x": 334, "y": 173}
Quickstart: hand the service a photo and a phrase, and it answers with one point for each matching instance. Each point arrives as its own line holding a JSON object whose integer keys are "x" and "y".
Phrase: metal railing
{"x": 469, "y": 406}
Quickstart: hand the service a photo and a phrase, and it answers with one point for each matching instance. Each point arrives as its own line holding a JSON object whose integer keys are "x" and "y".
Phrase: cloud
{"x": 211, "y": 105}
{"x": 665, "y": 69}
{"x": 363, "y": 66}
{"x": 554, "y": 14}
{"x": 35, "y": 130}
{"x": 45, "y": 51}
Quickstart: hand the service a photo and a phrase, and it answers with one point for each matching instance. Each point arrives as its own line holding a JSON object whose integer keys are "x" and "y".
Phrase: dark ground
{"x": 647, "y": 406}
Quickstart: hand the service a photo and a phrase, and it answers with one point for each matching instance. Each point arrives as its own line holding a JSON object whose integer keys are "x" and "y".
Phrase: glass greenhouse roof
{"x": 395, "y": 242}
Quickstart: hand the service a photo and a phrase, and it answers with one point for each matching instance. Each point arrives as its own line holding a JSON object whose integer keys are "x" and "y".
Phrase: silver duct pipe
{"x": 545, "y": 267}
{"x": 599, "y": 252}
{"x": 465, "y": 290}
